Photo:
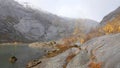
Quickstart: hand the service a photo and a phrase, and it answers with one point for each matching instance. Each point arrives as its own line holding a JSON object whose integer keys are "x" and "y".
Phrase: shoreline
{"x": 18, "y": 44}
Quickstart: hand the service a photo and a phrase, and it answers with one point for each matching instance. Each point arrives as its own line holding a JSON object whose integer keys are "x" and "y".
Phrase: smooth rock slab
{"x": 79, "y": 61}
{"x": 58, "y": 61}
{"x": 105, "y": 49}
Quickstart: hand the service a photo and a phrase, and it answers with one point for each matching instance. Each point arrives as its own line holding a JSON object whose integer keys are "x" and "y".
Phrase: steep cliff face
{"x": 24, "y": 24}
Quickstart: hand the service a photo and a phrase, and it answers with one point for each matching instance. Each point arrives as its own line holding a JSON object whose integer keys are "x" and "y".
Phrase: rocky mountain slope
{"x": 96, "y": 52}
{"x": 25, "y": 24}
{"x": 110, "y": 16}
{"x": 102, "y": 52}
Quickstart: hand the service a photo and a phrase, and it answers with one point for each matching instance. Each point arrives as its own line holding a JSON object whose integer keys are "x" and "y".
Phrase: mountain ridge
{"x": 23, "y": 24}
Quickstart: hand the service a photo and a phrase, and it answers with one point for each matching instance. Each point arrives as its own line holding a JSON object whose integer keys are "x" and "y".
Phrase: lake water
{"x": 23, "y": 53}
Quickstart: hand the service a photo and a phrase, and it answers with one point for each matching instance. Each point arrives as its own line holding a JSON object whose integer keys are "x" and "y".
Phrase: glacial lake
{"x": 23, "y": 53}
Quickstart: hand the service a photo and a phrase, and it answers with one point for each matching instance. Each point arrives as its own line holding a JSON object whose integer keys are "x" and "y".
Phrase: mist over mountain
{"x": 100, "y": 51}
{"x": 33, "y": 38}
{"x": 26, "y": 24}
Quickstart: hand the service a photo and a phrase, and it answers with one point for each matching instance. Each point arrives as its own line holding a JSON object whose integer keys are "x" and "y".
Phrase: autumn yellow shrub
{"x": 113, "y": 26}
{"x": 108, "y": 28}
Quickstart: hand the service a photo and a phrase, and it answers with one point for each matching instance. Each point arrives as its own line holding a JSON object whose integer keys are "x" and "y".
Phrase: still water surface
{"x": 23, "y": 53}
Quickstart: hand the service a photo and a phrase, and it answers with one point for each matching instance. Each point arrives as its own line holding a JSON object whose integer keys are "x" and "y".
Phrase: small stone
{"x": 12, "y": 59}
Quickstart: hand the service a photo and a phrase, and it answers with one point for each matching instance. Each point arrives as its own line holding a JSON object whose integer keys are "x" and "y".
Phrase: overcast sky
{"x": 91, "y": 9}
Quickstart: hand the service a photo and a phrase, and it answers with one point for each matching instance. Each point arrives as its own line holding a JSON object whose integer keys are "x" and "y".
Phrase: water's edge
{"x": 23, "y": 53}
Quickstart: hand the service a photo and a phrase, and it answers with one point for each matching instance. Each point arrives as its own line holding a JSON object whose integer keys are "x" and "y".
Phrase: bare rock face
{"x": 58, "y": 61}
{"x": 102, "y": 52}
{"x": 79, "y": 61}
{"x": 25, "y": 24}
{"x": 31, "y": 29}
{"x": 105, "y": 50}
{"x": 110, "y": 16}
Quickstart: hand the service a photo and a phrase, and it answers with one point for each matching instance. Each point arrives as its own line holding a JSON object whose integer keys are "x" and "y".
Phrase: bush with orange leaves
{"x": 95, "y": 65}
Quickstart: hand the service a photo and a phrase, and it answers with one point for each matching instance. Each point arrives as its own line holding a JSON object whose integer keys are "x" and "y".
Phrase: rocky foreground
{"x": 24, "y": 24}
{"x": 101, "y": 52}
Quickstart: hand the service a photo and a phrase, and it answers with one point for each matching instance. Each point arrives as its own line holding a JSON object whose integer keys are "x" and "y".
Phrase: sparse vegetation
{"x": 94, "y": 65}
{"x": 29, "y": 25}
{"x": 113, "y": 26}
{"x": 60, "y": 49}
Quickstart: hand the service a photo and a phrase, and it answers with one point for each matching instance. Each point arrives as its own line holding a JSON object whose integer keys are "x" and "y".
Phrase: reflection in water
{"x": 23, "y": 53}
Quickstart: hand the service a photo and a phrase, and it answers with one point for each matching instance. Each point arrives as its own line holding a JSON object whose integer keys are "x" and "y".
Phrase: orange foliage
{"x": 82, "y": 41}
{"x": 112, "y": 26}
{"x": 69, "y": 57}
{"x": 61, "y": 48}
{"x": 68, "y": 60}
{"x": 68, "y": 41}
{"x": 95, "y": 65}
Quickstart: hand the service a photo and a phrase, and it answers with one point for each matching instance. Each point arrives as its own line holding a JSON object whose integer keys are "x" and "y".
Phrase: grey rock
{"x": 79, "y": 61}
{"x": 110, "y": 16}
{"x": 58, "y": 61}
{"x": 26, "y": 24}
{"x": 105, "y": 49}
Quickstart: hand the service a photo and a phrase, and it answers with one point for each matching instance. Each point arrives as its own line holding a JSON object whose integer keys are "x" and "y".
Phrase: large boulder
{"x": 101, "y": 52}
{"x": 105, "y": 50}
